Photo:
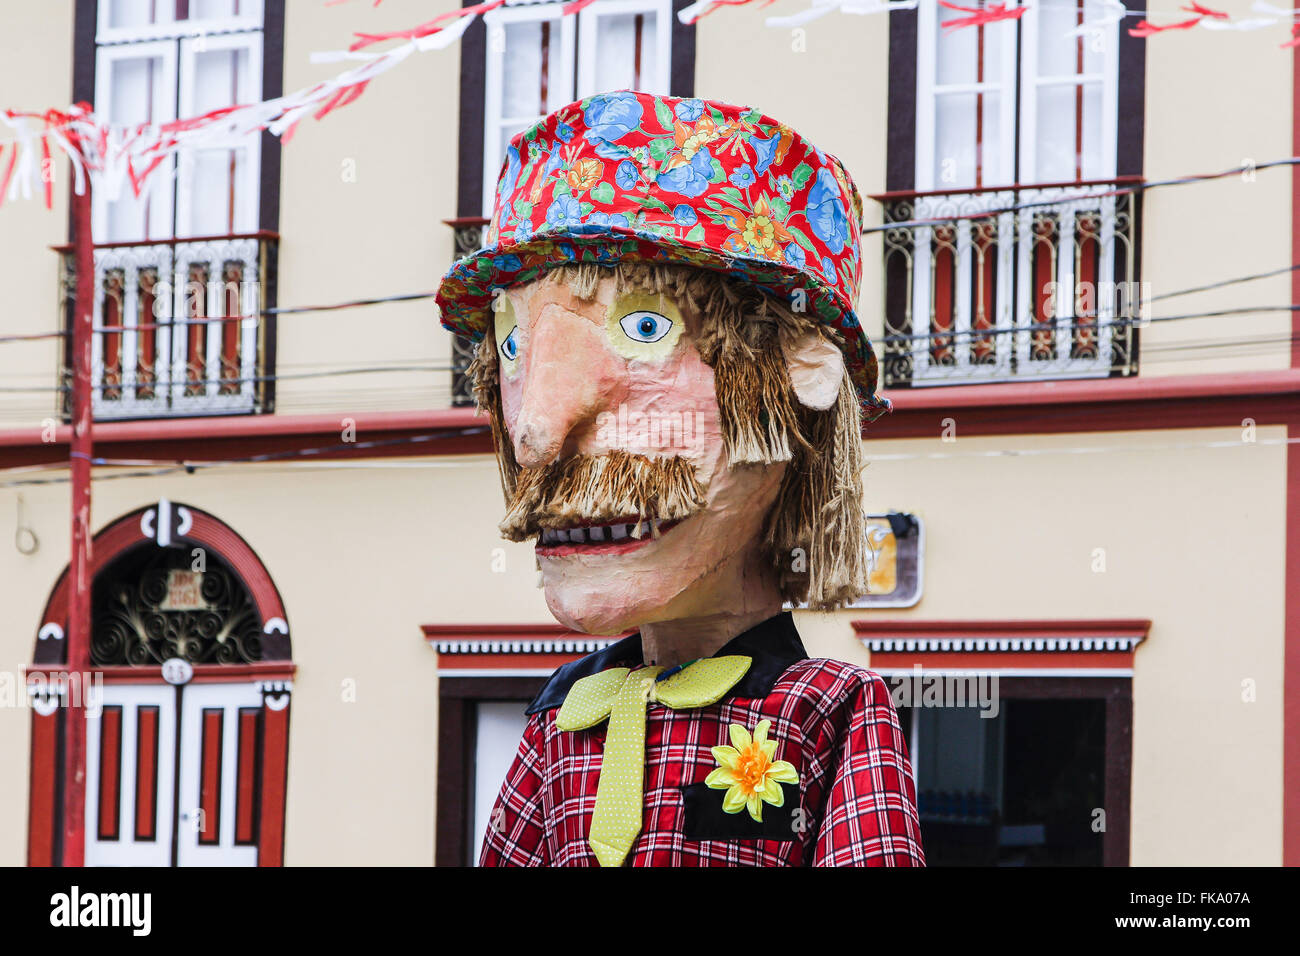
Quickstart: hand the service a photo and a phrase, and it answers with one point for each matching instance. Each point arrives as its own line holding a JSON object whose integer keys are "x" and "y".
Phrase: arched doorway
{"x": 187, "y": 701}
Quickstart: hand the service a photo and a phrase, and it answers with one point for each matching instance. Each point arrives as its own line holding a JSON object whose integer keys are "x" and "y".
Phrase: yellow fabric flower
{"x": 748, "y": 773}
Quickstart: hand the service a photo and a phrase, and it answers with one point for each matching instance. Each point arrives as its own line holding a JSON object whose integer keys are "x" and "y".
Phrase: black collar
{"x": 774, "y": 645}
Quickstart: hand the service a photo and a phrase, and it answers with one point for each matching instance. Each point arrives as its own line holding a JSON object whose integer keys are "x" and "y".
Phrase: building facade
{"x": 1086, "y": 491}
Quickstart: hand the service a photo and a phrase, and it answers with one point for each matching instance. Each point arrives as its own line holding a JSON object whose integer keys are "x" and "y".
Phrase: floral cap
{"x": 630, "y": 175}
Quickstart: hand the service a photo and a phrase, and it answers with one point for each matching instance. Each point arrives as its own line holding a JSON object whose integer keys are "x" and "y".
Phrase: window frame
{"x": 910, "y": 174}
{"x": 95, "y": 44}
{"x": 105, "y": 34}
{"x": 251, "y": 178}
{"x": 494, "y": 73}
{"x": 476, "y": 175}
{"x": 929, "y": 90}
{"x": 1031, "y": 80}
{"x": 1018, "y": 90}
{"x": 177, "y": 43}
{"x": 106, "y": 58}
{"x": 458, "y": 700}
{"x": 587, "y": 27}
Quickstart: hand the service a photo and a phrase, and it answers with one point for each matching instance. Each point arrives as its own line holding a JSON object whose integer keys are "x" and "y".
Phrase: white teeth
{"x": 600, "y": 533}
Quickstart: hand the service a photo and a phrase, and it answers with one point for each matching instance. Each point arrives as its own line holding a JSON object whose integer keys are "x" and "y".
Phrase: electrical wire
{"x": 1083, "y": 197}
{"x": 871, "y": 457}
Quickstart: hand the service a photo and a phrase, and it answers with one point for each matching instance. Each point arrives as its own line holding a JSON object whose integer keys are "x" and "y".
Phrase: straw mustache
{"x": 598, "y": 489}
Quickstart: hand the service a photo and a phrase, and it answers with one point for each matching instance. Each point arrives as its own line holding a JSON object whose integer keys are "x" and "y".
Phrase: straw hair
{"x": 601, "y": 489}
{"x": 815, "y": 536}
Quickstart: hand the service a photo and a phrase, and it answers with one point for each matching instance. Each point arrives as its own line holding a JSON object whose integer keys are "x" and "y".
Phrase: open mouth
{"x": 615, "y": 538}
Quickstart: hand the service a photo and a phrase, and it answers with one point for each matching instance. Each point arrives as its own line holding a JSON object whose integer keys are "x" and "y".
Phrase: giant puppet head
{"x": 671, "y": 361}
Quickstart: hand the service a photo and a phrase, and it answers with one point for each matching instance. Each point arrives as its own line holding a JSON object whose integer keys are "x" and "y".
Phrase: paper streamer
{"x": 127, "y": 157}
{"x": 979, "y": 16}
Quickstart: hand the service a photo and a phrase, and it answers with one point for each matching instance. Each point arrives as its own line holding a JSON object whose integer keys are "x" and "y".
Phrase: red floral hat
{"x": 629, "y": 175}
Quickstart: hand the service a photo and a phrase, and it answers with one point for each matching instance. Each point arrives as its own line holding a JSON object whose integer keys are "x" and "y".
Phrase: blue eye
{"x": 510, "y": 348}
{"x": 645, "y": 327}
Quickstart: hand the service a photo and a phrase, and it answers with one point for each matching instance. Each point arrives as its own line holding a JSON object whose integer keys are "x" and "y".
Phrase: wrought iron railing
{"x": 1010, "y": 285}
{"x": 468, "y": 238}
{"x": 180, "y": 326}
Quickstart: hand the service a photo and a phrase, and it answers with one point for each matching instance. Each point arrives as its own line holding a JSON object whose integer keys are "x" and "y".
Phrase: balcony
{"x": 179, "y": 326}
{"x": 1020, "y": 284}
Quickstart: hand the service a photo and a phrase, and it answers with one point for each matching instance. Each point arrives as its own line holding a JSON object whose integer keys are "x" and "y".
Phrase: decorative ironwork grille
{"x": 180, "y": 326}
{"x": 468, "y": 238}
{"x": 151, "y": 605}
{"x": 976, "y": 290}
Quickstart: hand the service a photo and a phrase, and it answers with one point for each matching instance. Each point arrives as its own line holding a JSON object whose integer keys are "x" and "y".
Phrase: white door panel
{"x": 131, "y": 842}
{"x": 200, "y": 841}
{"x": 140, "y": 766}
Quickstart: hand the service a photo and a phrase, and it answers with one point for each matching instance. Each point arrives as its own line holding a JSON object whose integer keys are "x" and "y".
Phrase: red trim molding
{"x": 1295, "y": 209}
{"x": 448, "y": 431}
{"x": 1291, "y": 659}
{"x": 1009, "y": 409}
{"x": 487, "y": 648}
{"x": 203, "y": 673}
{"x": 1029, "y": 408}
{"x": 43, "y": 792}
{"x": 275, "y": 778}
{"x": 1130, "y": 628}
{"x": 1101, "y": 647}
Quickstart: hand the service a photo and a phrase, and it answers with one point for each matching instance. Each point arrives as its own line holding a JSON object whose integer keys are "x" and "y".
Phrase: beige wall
{"x": 363, "y": 196}
{"x": 35, "y": 74}
{"x": 1202, "y": 119}
{"x": 1193, "y": 540}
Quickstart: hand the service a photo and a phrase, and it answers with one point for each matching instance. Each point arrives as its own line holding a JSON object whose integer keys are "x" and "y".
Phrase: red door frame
{"x": 201, "y": 529}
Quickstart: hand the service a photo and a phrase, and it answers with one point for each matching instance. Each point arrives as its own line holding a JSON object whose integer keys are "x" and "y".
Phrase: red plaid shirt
{"x": 855, "y": 804}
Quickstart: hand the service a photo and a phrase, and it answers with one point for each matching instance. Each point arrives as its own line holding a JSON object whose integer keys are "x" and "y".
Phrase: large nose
{"x": 569, "y": 380}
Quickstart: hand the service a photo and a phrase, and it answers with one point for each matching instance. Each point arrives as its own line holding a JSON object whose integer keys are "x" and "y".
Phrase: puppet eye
{"x": 645, "y": 327}
{"x": 505, "y": 327}
{"x": 510, "y": 347}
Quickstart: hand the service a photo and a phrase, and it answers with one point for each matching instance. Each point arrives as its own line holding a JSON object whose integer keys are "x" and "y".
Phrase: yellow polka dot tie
{"x": 623, "y": 695}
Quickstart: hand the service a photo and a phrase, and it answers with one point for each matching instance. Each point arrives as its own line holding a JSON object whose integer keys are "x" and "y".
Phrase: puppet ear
{"x": 816, "y": 368}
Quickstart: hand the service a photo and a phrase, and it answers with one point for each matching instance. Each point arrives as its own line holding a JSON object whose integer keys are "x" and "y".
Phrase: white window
{"x": 968, "y": 132}
{"x": 157, "y": 60}
{"x": 1014, "y": 112}
{"x": 538, "y": 60}
{"x": 500, "y": 725}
